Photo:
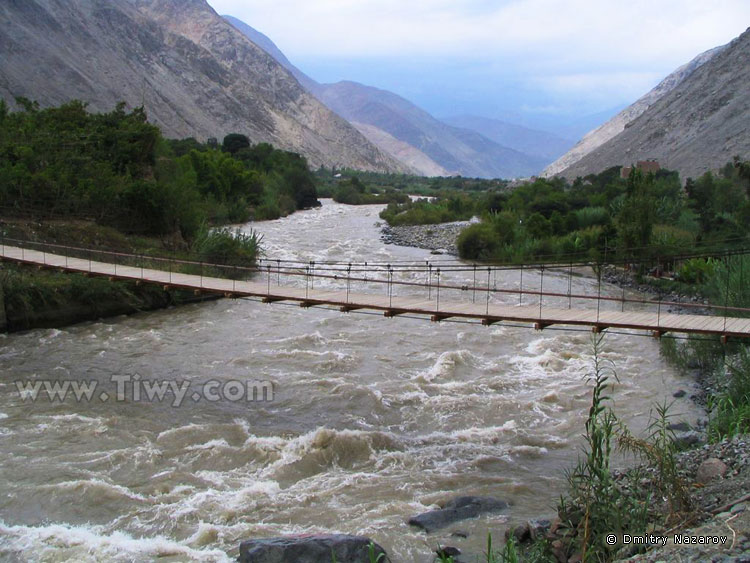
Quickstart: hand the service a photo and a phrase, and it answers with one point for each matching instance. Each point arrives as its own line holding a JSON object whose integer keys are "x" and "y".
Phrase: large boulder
{"x": 310, "y": 549}
{"x": 711, "y": 468}
{"x": 457, "y": 509}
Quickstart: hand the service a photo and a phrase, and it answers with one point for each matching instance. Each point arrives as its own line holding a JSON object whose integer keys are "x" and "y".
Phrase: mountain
{"x": 394, "y": 124}
{"x": 402, "y": 151}
{"x": 529, "y": 141}
{"x": 265, "y": 43}
{"x": 195, "y": 74}
{"x": 459, "y": 151}
{"x": 617, "y": 124}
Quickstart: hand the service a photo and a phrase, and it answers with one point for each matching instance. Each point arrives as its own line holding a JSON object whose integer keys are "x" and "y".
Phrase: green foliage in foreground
{"x": 598, "y": 504}
{"x": 726, "y": 367}
{"x": 116, "y": 169}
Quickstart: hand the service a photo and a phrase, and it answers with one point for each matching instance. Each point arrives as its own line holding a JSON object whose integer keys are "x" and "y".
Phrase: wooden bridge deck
{"x": 655, "y": 322}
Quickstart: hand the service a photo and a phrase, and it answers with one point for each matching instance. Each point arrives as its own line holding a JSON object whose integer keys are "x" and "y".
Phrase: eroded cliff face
{"x": 596, "y": 138}
{"x": 195, "y": 74}
{"x": 699, "y": 125}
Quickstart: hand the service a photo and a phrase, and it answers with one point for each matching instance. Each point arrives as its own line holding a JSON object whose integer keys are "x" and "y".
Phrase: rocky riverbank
{"x": 717, "y": 528}
{"x": 440, "y": 238}
{"x": 719, "y": 480}
{"x": 678, "y": 303}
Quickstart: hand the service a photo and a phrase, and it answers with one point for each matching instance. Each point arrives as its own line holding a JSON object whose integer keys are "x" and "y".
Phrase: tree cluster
{"x": 118, "y": 170}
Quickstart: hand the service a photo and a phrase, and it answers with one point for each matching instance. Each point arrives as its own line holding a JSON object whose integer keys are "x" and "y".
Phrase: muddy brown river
{"x": 371, "y": 420}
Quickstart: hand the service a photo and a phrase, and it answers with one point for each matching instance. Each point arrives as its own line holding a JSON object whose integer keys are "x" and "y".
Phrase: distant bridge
{"x": 428, "y": 294}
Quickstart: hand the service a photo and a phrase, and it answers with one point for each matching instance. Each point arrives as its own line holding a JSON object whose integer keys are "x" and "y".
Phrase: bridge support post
{"x": 599, "y": 291}
{"x": 390, "y": 286}
{"x": 348, "y": 280}
{"x": 474, "y": 286}
{"x": 437, "y": 306}
{"x": 726, "y": 293}
{"x": 487, "y": 308}
{"x": 541, "y": 292}
{"x": 429, "y": 280}
{"x": 570, "y": 286}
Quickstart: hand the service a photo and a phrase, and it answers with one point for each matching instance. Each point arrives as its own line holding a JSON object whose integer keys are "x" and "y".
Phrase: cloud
{"x": 597, "y": 30}
{"x": 600, "y": 52}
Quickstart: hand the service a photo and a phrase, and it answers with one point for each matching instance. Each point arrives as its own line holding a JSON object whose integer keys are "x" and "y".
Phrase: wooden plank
{"x": 396, "y": 304}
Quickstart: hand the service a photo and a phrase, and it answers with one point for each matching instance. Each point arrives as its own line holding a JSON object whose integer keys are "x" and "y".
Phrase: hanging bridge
{"x": 439, "y": 289}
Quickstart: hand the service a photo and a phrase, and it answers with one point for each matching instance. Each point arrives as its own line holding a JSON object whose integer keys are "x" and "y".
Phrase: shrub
{"x": 477, "y": 242}
{"x": 696, "y": 270}
{"x": 222, "y": 246}
{"x": 589, "y": 216}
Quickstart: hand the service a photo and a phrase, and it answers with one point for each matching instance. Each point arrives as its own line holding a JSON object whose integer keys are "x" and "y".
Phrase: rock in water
{"x": 455, "y": 510}
{"x": 310, "y": 549}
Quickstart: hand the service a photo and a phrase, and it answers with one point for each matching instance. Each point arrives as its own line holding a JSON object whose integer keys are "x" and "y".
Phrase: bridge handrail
{"x": 306, "y": 271}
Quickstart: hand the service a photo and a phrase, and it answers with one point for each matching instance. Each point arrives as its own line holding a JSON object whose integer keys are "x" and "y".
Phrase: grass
{"x": 730, "y": 409}
{"x": 224, "y": 246}
{"x": 600, "y": 503}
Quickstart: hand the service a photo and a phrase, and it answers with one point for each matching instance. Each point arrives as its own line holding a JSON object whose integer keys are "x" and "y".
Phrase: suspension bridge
{"x": 437, "y": 290}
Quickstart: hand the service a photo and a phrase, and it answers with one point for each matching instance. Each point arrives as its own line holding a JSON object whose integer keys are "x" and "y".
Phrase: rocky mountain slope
{"x": 195, "y": 74}
{"x": 626, "y": 118}
{"x": 402, "y": 151}
{"x": 394, "y": 124}
{"x": 460, "y": 151}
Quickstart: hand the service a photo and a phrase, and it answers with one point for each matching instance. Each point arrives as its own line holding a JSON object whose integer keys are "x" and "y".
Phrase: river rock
{"x": 710, "y": 469}
{"x": 457, "y": 509}
{"x": 309, "y": 549}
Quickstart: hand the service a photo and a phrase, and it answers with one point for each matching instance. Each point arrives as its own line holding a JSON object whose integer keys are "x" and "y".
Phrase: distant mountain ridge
{"x": 602, "y": 134}
{"x": 395, "y": 124}
{"x": 528, "y": 141}
{"x": 698, "y": 125}
{"x": 460, "y": 151}
{"x": 195, "y": 74}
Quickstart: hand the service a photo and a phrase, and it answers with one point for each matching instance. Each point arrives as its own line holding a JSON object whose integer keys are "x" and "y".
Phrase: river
{"x": 372, "y": 420}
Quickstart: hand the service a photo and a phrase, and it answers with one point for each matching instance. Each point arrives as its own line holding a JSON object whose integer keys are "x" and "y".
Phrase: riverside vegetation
{"x": 112, "y": 181}
{"x": 601, "y": 217}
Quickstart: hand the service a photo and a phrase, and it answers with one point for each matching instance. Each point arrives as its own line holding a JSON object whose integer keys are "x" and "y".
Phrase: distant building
{"x": 645, "y": 166}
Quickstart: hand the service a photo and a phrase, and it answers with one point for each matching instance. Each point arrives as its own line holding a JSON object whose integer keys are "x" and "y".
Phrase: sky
{"x": 543, "y": 63}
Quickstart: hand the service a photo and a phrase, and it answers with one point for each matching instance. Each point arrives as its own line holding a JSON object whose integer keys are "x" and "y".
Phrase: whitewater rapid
{"x": 373, "y": 420}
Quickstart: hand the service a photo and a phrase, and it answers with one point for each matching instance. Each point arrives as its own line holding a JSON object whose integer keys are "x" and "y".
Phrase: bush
{"x": 477, "y": 242}
{"x": 222, "y": 246}
{"x": 696, "y": 270}
{"x": 730, "y": 409}
{"x": 589, "y": 216}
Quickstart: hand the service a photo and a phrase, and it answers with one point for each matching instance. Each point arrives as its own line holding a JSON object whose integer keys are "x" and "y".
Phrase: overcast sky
{"x": 535, "y": 59}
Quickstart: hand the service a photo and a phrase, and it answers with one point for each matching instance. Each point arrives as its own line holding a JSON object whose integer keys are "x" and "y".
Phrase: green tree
{"x": 636, "y": 218}
{"x": 234, "y": 142}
